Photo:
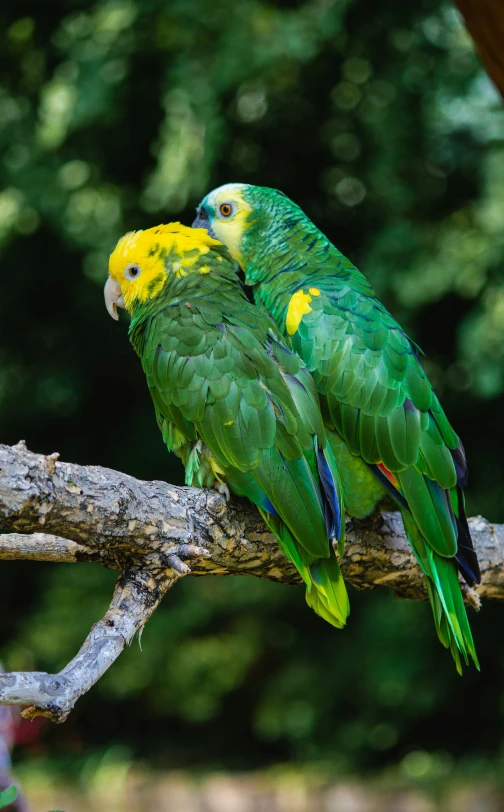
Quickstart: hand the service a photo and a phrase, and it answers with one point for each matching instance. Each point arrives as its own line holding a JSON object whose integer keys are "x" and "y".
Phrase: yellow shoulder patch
{"x": 299, "y": 306}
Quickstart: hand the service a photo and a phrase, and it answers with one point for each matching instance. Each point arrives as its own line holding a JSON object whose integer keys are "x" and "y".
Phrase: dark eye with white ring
{"x": 132, "y": 272}
{"x": 226, "y": 209}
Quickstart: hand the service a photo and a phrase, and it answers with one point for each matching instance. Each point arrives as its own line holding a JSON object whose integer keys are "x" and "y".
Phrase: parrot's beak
{"x": 113, "y": 297}
{"x": 202, "y": 221}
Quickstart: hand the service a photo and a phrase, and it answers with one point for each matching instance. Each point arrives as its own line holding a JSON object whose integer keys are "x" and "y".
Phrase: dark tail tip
{"x": 466, "y": 557}
{"x": 459, "y": 460}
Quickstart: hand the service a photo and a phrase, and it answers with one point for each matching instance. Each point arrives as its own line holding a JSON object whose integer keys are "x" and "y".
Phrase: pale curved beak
{"x": 113, "y": 297}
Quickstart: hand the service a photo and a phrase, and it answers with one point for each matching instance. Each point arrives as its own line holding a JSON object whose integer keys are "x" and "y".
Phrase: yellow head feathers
{"x": 141, "y": 260}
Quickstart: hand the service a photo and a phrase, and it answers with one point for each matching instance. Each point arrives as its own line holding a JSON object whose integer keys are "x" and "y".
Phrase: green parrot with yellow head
{"x": 231, "y": 399}
{"x": 385, "y": 424}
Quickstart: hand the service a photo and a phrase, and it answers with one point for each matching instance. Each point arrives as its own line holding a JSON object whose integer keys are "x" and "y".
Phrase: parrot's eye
{"x": 226, "y": 209}
{"x": 132, "y": 272}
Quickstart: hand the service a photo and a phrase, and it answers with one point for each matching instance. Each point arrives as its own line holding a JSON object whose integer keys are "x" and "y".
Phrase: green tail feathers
{"x": 326, "y": 592}
{"x": 445, "y": 596}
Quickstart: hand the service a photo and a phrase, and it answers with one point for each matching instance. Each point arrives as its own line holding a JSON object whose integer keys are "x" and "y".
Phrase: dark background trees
{"x": 384, "y": 128}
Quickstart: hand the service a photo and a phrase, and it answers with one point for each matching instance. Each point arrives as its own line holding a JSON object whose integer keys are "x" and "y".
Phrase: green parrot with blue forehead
{"x": 387, "y": 429}
{"x": 231, "y": 399}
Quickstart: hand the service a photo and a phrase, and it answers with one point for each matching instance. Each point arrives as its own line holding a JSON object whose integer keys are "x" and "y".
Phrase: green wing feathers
{"x": 384, "y": 414}
{"x": 219, "y": 375}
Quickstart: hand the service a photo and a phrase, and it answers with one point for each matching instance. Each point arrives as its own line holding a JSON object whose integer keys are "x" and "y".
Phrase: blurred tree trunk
{"x": 485, "y": 22}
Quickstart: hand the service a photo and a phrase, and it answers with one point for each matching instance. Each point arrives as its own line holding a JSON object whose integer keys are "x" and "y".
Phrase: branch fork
{"x": 148, "y": 532}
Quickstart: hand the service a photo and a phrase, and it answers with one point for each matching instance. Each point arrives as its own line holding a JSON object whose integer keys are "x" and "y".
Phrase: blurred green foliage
{"x": 379, "y": 122}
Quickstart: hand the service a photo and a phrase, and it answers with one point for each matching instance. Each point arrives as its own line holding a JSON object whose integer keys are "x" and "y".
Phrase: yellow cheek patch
{"x": 299, "y": 306}
{"x": 144, "y": 288}
{"x": 230, "y": 230}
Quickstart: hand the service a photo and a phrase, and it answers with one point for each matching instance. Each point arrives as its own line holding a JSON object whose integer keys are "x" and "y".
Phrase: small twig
{"x": 43, "y": 547}
{"x": 136, "y": 596}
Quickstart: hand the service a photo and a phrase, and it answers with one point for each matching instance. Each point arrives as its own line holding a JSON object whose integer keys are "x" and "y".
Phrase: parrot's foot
{"x": 349, "y": 525}
{"x": 471, "y": 597}
{"x": 174, "y": 559}
{"x": 223, "y": 489}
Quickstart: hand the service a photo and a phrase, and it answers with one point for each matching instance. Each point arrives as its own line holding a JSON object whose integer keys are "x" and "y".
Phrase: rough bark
{"x": 54, "y": 511}
{"x": 485, "y": 22}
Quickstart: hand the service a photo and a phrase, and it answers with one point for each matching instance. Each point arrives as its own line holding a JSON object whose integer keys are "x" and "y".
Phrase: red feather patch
{"x": 390, "y": 476}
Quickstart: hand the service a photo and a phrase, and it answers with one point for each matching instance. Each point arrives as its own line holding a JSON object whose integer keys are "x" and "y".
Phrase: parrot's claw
{"x": 174, "y": 559}
{"x": 223, "y": 489}
{"x": 349, "y": 525}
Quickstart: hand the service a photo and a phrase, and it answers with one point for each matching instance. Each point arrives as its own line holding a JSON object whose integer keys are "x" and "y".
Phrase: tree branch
{"x": 136, "y": 596}
{"x": 147, "y": 531}
{"x": 41, "y": 547}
